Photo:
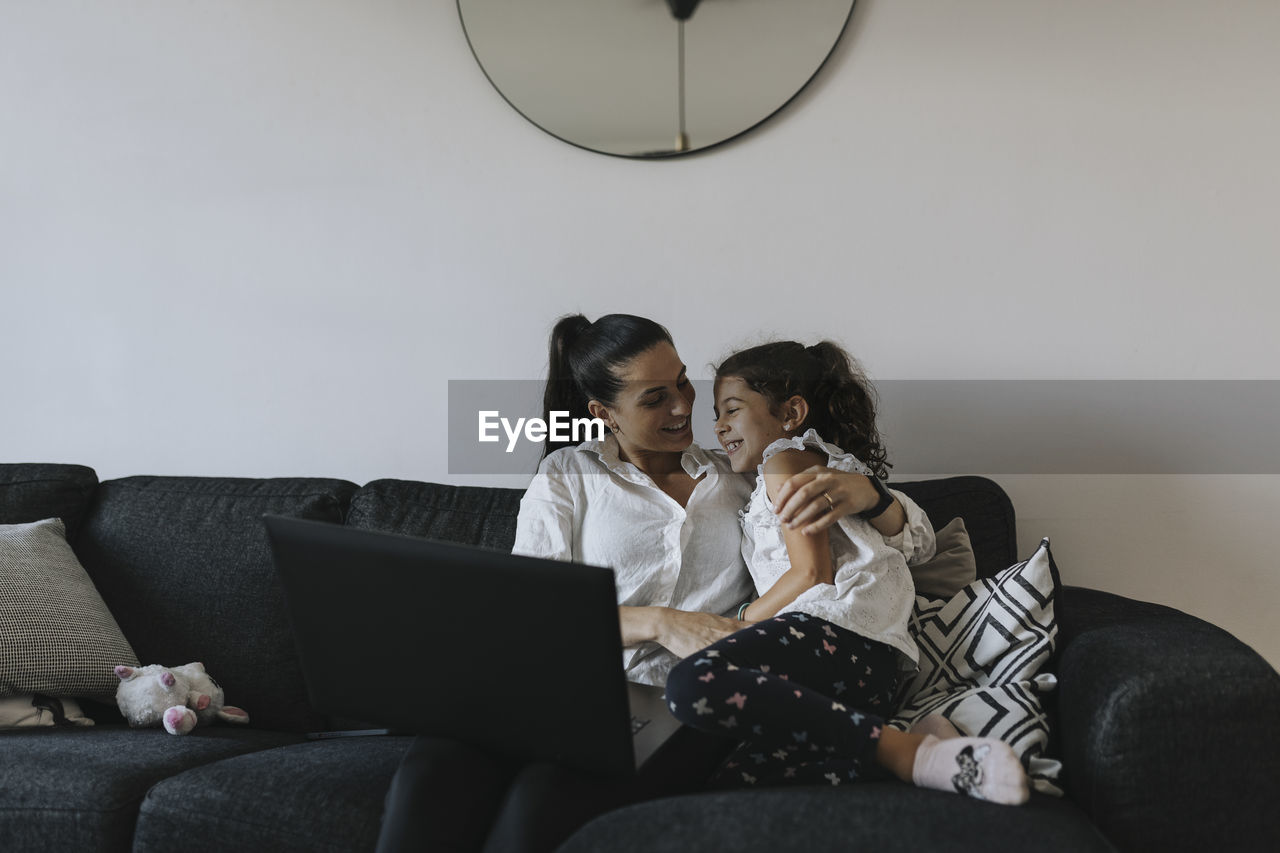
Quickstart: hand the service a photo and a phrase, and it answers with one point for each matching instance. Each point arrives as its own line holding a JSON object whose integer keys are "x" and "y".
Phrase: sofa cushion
{"x": 31, "y": 492}
{"x": 470, "y": 515}
{"x": 56, "y": 634}
{"x": 322, "y": 795}
{"x": 880, "y": 816}
{"x": 79, "y": 789}
{"x": 185, "y": 566}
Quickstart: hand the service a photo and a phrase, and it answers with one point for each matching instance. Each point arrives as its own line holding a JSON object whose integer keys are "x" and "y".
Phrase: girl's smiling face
{"x": 745, "y": 425}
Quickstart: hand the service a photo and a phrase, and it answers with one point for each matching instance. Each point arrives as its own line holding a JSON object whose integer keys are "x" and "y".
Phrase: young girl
{"x": 808, "y": 686}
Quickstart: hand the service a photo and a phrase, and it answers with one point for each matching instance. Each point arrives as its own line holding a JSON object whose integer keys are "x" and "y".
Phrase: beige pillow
{"x": 953, "y": 566}
{"x": 36, "y": 710}
{"x": 56, "y": 635}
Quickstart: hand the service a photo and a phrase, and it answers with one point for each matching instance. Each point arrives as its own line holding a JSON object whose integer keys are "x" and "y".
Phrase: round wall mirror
{"x": 651, "y": 78}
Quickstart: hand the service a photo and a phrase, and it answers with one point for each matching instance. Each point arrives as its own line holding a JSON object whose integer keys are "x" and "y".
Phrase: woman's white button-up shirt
{"x": 588, "y": 506}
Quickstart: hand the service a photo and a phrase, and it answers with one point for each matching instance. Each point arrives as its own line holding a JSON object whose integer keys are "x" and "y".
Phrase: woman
{"x": 663, "y": 513}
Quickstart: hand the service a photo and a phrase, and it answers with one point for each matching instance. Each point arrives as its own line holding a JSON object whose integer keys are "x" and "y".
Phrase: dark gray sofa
{"x": 1166, "y": 724}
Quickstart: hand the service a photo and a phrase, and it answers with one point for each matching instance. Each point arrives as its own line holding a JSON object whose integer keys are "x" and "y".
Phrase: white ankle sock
{"x": 936, "y": 725}
{"x": 982, "y": 768}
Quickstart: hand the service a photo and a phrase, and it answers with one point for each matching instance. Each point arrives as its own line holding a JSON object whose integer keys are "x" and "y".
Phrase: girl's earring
{"x": 787, "y": 425}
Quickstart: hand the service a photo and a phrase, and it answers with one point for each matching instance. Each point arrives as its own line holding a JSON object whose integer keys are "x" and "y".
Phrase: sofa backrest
{"x": 469, "y": 515}
{"x": 33, "y": 492}
{"x": 487, "y": 516}
{"x": 185, "y": 566}
{"x": 986, "y": 510}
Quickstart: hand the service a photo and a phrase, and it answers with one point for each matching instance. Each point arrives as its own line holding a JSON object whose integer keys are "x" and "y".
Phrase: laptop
{"x": 516, "y": 655}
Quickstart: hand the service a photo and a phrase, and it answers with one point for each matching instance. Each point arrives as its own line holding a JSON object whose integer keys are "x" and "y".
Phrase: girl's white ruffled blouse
{"x": 873, "y": 594}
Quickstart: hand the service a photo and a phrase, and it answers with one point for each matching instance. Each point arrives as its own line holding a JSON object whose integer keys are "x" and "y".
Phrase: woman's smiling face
{"x": 745, "y": 426}
{"x": 652, "y": 413}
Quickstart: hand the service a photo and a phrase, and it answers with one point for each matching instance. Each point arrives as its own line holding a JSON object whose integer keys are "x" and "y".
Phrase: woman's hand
{"x": 679, "y": 631}
{"x": 802, "y": 501}
{"x": 687, "y": 632}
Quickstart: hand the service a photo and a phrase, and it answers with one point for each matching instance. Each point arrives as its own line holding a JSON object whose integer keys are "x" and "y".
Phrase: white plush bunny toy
{"x": 176, "y": 698}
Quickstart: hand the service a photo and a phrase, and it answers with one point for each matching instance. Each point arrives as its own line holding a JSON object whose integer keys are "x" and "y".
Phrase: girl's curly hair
{"x": 842, "y": 401}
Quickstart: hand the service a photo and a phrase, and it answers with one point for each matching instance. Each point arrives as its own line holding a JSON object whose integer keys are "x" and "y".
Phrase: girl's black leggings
{"x": 806, "y": 698}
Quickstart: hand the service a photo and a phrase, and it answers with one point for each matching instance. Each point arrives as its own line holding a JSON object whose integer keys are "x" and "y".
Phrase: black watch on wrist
{"x": 886, "y": 500}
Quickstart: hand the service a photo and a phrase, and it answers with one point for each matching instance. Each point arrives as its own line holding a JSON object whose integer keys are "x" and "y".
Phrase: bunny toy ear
{"x": 232, "y": 714}
{"x": 124, "y": 672}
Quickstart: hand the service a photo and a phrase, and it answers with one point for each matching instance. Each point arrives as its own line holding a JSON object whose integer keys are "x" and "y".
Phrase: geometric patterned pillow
{"x": 981, "y": 655}
{"x": 56, "y": 635}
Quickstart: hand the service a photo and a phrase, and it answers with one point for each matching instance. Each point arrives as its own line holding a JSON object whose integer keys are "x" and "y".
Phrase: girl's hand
{"x": 802, "y": 501}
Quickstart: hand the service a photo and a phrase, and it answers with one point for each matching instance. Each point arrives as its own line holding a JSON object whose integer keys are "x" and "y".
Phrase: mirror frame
{"x": 662, "y": 155}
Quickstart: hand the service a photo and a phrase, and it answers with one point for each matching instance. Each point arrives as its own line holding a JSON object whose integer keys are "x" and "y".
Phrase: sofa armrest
{"x": 1169, "y": 727}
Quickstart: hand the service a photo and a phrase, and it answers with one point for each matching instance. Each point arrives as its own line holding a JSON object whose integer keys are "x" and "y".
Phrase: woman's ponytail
{"x": 583, "y": 359}
{"x": 562, "y": 393}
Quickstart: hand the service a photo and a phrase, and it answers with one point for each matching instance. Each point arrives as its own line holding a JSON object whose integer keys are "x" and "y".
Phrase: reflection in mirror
{"x": 651, "y": 78}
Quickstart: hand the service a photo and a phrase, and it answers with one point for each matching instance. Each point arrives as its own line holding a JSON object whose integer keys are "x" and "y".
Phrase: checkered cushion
{"x": 981, "y": 656}
{"x": 56, "y": 635}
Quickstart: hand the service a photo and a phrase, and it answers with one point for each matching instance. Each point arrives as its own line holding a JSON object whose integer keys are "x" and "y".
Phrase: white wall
{"x": 257, "y": 238}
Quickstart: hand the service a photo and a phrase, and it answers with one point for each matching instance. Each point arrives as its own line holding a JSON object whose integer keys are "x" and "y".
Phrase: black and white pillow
{"x": 57, "y": 636}
{"x": 981, "y": 659}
